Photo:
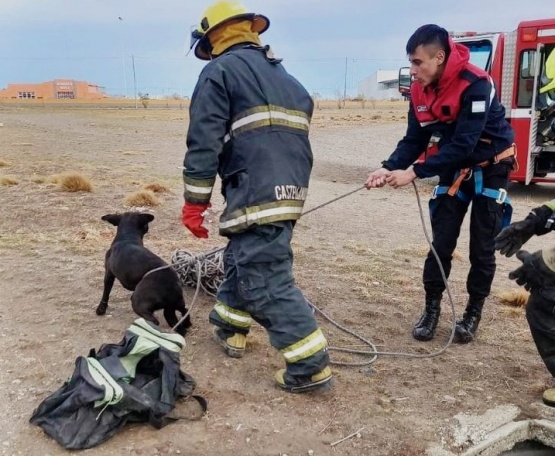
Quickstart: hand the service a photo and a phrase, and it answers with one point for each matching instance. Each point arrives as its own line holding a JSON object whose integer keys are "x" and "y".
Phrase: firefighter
{"x": 549, "y": 74}
{"x": 546, "y": 100}
{"x": 249, "y": 122}
{"x": 455, "y": 102}
{"x": 537, "y": 274}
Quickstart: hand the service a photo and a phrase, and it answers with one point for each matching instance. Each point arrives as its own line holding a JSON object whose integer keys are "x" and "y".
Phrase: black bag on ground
{"x": 137, "y": 380}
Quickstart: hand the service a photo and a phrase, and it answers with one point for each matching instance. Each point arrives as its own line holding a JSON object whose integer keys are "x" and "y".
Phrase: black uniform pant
{"x": 540, "y": 313}
{"x": 259, "y": 286}
{"x": 486, "y": 219}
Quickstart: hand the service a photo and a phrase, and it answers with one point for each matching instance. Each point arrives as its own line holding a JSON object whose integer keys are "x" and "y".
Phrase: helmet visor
{"x": 195, "y": 36}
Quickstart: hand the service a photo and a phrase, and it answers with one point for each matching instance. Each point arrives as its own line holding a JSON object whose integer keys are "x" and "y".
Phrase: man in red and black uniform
{"x": 457, "y": 102}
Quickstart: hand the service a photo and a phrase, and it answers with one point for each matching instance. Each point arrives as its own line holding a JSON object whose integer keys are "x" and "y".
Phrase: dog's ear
{"x": 146, "y": 218}
{"x": 114, "y": 219}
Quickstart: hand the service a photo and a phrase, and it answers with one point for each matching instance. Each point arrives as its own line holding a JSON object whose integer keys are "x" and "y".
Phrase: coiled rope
{"x": 210, "y": 273}
{"x": 206, "y": 271}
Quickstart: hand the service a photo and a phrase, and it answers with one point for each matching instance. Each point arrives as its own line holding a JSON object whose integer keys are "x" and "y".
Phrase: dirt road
{"x": 359, "y": 259}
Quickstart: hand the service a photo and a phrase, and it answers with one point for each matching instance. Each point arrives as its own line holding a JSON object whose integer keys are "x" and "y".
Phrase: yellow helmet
{"x": 218, "y": 14}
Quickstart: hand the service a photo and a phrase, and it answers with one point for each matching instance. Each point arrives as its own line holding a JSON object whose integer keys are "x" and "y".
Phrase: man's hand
{"x": 192, "y": 217}
{"x": 400, "y": 178}
{"x": 513, "y": 237}
{"x": 377, "y": 178}
{"x": 534, "y": 273}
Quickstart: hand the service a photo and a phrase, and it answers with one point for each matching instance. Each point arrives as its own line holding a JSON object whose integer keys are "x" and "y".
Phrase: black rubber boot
{"x": 425, "y": 329}
{"x": 465, "y": 330}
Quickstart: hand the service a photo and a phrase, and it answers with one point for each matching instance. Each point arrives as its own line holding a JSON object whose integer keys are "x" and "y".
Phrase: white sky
{"x": 42, "y": 40}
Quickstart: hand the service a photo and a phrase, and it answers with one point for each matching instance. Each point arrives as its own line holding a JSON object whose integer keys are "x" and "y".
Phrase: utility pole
{"x": 345, "y": 86}
{"x": 134, "y": 80}
{"x": 123, "y": 59}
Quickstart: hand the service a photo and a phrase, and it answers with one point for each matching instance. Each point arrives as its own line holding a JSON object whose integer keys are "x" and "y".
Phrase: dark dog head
{"x": 130, "y": 222}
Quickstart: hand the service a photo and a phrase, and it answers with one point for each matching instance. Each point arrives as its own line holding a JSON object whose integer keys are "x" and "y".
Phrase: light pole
{"x": 134, "y": 79}
{"x": 345, "y": 85}
{"x": 123, "y": 60}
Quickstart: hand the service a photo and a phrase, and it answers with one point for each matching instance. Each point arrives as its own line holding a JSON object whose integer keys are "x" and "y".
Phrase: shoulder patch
{"x": 478, "y": 106}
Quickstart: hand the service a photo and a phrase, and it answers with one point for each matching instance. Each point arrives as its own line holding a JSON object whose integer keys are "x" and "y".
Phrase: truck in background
{"x": 522, "y": 65}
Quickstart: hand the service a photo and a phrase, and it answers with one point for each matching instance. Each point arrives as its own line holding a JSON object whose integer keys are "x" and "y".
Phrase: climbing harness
{"x": 499, "y": 195}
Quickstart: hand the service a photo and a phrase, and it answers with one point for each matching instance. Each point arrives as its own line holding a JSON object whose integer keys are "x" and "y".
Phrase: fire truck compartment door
{"x": 533, "y": 149}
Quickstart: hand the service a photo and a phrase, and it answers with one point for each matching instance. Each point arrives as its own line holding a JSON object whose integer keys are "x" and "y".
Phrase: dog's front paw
{"x": 101, "y": 309}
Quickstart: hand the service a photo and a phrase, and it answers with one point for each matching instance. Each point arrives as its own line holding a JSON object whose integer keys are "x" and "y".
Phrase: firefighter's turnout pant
{"x": 259, "y": 286}
{"x": 486, "y": 220}
{"x": 540, "y": 313}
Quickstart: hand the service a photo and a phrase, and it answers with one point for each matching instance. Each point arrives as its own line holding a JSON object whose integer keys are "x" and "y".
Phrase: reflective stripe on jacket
{"x": 249, "y": 122}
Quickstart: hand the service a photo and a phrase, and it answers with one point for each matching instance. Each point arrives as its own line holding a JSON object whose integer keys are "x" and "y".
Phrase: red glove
{"x": 192, "y": 218}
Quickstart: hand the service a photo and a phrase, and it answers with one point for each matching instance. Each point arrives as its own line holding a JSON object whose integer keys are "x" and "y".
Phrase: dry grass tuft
{"x": 156, "y": 188}
{"x": 514, "y": 312}
{"x": 39, "y": 179}
{"x": 141, "y": 198}
{"x": 8, "y": 180}
{"x": 514, "y": 298}
{"x": 4, "y": 163}
{"x": 73, "y": 182}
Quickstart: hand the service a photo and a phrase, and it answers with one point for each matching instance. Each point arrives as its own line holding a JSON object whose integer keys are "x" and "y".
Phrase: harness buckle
{"x": 434, "y": 192}
{"x": 468, "y": 175}
{"x": 502, "y": 196}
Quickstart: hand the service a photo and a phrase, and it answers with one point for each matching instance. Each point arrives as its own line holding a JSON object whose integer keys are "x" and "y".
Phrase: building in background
{"x": 381, "y": 85}
{"x": 54, "y": 90}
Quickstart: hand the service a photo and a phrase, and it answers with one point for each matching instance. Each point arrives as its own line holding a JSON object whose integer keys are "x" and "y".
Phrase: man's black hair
{"x": 429, "y": 34}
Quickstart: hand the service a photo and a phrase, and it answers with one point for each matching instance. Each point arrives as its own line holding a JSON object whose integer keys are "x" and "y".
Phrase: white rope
{"x": 374, "y": 352}
{"x": 208, "y": 267}
{"x": 206, "y": 271}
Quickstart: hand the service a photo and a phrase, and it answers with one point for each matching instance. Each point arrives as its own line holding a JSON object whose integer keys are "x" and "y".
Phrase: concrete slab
{"x": 493, "y": 433}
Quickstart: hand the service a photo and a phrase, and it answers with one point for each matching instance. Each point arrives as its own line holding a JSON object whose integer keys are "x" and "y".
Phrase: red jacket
{"x": 442, "y": 102}
{"x": 460, "y": 109}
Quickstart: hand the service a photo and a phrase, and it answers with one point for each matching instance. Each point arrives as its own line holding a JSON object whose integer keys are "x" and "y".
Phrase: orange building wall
{"x": 56, "y": 89}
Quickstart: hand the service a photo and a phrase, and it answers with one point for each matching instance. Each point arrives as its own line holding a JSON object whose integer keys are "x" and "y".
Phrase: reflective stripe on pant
{"x": 447, "y": 214}
{"x": 540, "y": 313}
{"x": 259, "y": 284}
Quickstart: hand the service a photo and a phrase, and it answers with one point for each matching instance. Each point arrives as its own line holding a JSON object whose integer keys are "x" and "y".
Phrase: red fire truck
{"x": 522, "y": 64}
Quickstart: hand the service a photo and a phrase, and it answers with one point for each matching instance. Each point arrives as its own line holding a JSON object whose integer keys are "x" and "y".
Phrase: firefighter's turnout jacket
{"x": 249, "y": 124}
{"x": 262, "y": 154}
{"x": 462, "y": 110}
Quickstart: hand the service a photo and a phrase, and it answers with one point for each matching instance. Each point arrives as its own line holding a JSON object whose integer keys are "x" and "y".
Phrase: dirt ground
{"x": 359, "y": 259}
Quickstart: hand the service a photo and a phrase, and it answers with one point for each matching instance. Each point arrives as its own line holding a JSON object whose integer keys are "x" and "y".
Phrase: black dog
{"x": 129, "y": 261}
